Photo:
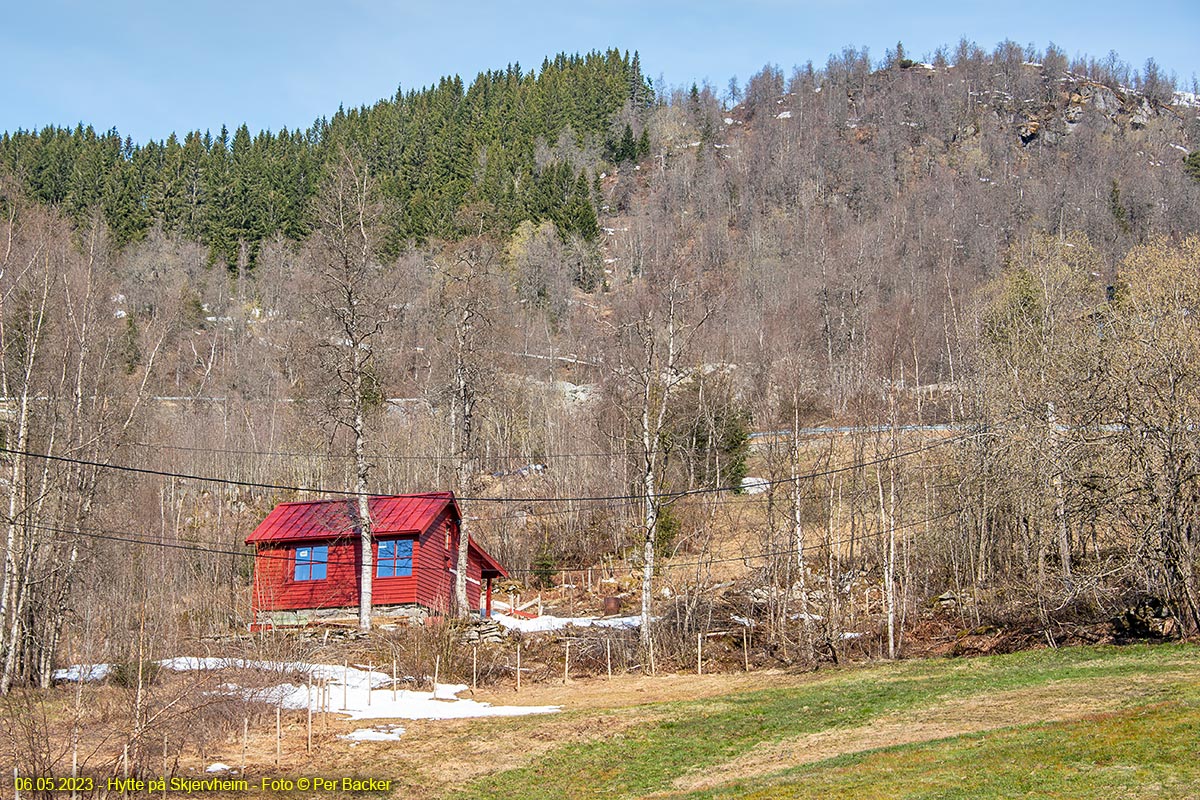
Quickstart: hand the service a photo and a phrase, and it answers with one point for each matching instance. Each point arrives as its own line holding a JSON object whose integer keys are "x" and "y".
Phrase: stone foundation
{"x": 411, "y": 613}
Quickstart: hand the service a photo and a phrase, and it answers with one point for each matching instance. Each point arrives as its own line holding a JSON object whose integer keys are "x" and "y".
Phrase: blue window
{"x": 310, "y": 563}
{"x": 394, "y": 559}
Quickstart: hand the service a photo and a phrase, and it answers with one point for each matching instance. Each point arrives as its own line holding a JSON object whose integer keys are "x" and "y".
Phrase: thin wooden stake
{"x": 437, "y": 666}
{"x": 393, "y": 679}
{"x": 474, "y": 667}
{"x": 278, "y": 735}
{"x": 608, "y": 656}
{"x": 699, "y": 653}
{"x": 370, "y": 669}
{"x": 125, "y": 761}
{"x": 245, "y": 735}
{"x": 652, "y": 670}
{"x": 164, "y": 772}
{"x": 567, "y": 664}
{"x": 746, "y": 649}
{"x": 308, "y": 695}
{"x": 345, "y": 686}
{"x": 16, "y": 780}
{"x": 518, "y": 666}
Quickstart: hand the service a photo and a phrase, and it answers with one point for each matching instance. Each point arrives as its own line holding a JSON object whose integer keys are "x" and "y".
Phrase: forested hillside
{"x": 572, "y": 296}
{"x": 450, "y": 159}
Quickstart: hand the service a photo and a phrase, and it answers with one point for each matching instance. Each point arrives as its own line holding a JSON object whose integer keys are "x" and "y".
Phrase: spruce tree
{"x": 643, "y": 145}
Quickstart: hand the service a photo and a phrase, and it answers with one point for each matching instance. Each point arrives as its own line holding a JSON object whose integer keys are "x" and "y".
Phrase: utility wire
{"x": 662, "y": 496}
{"x": 531, "y": 457}
{"x": 379, "y": 456}
{"x": 743, "y": 499}
{"x": 131, "y": 538}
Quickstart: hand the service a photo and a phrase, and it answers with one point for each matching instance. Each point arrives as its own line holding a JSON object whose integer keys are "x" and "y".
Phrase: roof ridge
{"x": 347, "y": 497}
{"x": 391, "y": 513}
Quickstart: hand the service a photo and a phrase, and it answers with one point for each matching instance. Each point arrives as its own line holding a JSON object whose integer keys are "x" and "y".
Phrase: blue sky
{"x": 150, "y": 69}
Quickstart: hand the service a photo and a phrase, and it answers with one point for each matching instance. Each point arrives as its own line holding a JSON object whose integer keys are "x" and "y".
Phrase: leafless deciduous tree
{"x": 466, "y": 296}
{"x": 651, "y": 361}
{"x": 351, "y": 291}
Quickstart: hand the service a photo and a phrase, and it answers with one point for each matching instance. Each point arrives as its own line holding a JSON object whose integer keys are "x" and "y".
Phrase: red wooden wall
{"x": 431, "y": 584}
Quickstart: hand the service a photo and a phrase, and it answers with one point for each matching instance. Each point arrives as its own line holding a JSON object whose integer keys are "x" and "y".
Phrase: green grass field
{"x": 1075, "y": 722}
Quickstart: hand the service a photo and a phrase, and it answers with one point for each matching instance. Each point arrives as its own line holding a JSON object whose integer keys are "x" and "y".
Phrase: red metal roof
{"x": 328, "y": 519}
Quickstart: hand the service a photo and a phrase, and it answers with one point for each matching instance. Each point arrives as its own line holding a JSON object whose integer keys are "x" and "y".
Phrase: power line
{"x": 661, "y": 497}
{"x": 729, "y": 500}
{"x": 131, "y": 538}
{"x": 534, "y": 457}
{"x": 380, "y": 456}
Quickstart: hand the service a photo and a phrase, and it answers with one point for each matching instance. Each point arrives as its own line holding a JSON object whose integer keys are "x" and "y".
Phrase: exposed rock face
{"x": 1055, "y": 120}
{"x": 1142, "y": 114}
{"x": 1028, "y": 130}
{"x": 1102, "y": 98}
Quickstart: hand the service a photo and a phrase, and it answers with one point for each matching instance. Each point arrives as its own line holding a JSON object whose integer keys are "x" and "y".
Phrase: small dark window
{"x": 394, "y": 559}
{"x": 310, "y": 563}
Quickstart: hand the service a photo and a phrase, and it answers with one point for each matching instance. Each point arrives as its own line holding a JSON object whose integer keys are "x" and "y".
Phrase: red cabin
{"x": 307, "y": 566}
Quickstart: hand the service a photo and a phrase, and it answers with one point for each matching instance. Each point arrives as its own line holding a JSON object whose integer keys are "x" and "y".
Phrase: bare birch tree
{"x": 467, "y": 293}
{"x": 74, "y": 391}
{"x": 649, "y": 367}
{"x": 351, "y": 293}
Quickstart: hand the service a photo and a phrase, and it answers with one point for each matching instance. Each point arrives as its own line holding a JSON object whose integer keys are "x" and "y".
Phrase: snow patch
{"x": 1189, "y": 99}
{"x": 784, "y": 115}
{"x": 752, "y": 485}
{"x": 548, "y": 622}
{"x": 379, "y": 733}
{"x": 86, "y": 672}
{"x": 218, "y": 767}
{"x": 356, "y": 692}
